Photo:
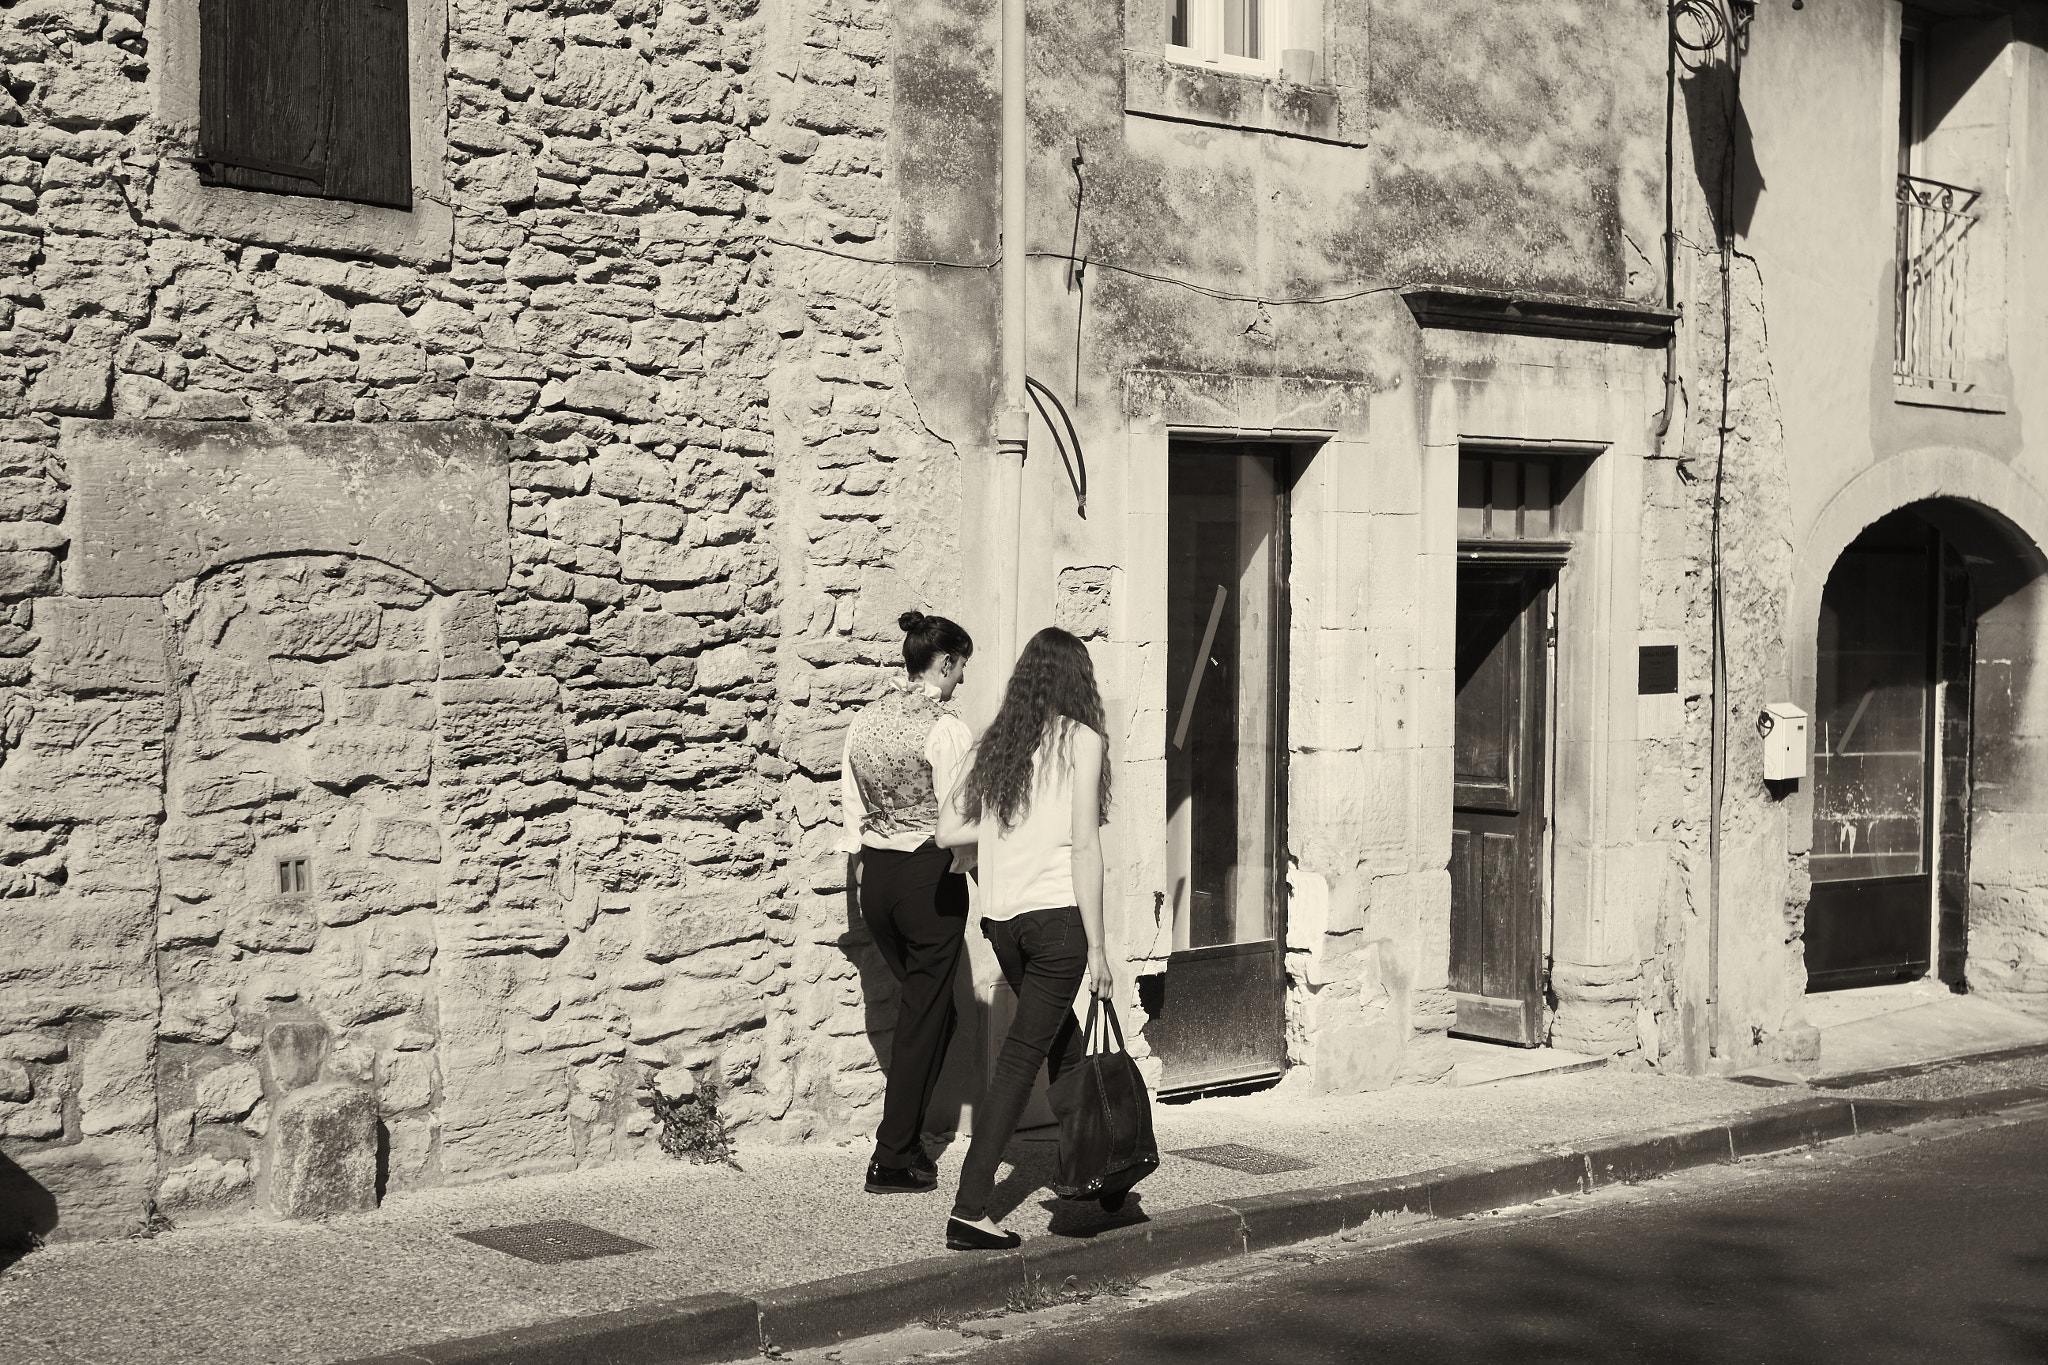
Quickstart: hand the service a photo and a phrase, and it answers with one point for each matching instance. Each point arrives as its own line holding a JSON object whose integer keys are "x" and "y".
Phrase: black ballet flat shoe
{"x": 899, "y": 1179}
{"x": 1113, "y": 1203}
{"x": 967, "y": 1237}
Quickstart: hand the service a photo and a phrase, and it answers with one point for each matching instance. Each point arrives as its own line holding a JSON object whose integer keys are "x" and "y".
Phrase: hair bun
{"x": 912, "y": 622}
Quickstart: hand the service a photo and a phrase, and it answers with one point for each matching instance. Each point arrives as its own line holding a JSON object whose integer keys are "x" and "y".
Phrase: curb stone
{"x": 725, "y": 1327}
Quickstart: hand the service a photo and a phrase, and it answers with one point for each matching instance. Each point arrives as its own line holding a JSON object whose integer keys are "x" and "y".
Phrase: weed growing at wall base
{"x": 692, "y": 1129}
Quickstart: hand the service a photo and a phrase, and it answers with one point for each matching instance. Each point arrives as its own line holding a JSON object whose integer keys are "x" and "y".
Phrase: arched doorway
{"x": 1922, "y": 744}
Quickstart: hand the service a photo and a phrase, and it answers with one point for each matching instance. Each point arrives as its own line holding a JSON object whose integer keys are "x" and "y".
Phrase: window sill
{"x": 1156, "y": 86}
{"x": 1920, "y": 396}
{"x": 422, "y": 235}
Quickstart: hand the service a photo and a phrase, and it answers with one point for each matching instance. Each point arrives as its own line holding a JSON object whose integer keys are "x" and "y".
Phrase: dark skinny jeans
{"x": 1044, "y": 957}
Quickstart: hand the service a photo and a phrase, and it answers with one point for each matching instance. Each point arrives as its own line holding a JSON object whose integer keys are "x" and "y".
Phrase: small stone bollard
{"x": 323, "y": 1152}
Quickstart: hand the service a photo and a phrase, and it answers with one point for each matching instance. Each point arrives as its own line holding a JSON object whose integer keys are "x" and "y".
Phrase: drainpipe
{"x": 1013, "y": 421}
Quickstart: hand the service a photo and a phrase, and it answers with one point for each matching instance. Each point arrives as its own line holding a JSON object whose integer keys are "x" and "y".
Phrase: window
{"x": 1265, "y": 37}
{"x": 294, "y": 877}
{"x": 306, "y": 98}
{"x": 1502, "y": 498}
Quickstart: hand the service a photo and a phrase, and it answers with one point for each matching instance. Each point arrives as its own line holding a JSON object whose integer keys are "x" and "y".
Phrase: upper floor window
{"x": 1263, "y": 37}
{"x": 1944, "y": 305}
{"x": 306, "y": 97}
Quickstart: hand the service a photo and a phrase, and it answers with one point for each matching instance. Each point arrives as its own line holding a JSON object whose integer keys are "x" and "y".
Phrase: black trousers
{"x": 917, "y": 911}
{"x": 1044, "y": 956}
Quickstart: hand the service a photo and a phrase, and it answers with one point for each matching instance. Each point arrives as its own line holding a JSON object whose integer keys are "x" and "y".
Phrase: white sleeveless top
{"x": 1031, "y": 867}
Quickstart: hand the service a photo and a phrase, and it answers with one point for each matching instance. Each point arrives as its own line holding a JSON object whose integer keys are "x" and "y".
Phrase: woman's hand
{"x": 1101, "y": 984}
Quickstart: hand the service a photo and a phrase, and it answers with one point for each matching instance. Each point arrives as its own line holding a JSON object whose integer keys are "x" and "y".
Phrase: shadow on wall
{"x": 28, "y": 1212}
{"x": 1720, "y": 128}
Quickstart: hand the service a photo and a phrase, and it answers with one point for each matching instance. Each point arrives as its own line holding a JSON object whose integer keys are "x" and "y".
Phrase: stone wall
{"x": 546, "y": 820}
{"x": 869, "y": 525}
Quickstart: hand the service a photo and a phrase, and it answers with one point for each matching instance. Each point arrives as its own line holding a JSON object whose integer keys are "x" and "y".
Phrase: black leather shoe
{"x": 967, "y": 1237}
{"x": 898, "y": 1179}
{"x": 1113, "y": 1203}
{"x": 926, "y": 1169}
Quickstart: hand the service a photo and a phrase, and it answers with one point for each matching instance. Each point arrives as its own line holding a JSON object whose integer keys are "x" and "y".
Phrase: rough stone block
{"x": 70, "y": 1192}
{"x": 27, "y": 573}
{"x": 324, "y": 632}
{"x": 227, "y": 1093}
{"x": 117, "y": 1091}
{"x": 208, "y": 1180}
{"x": 112, "y": 645}
{"x": 323, "y": 1152}
{"x": 817, "y": 751}
{"x": 156, "y": 502}
{"x": 343, "y": 758}
{"x": 76, "y": 384}
{"x": 414, "y": 840}
{"x": 293, "y": 1052}
{"x": 683, "y": 922}
{"x": 277, "y": 924}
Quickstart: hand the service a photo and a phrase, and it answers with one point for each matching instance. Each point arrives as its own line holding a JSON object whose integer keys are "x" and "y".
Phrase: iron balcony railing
{"x": 1929, "y": 342}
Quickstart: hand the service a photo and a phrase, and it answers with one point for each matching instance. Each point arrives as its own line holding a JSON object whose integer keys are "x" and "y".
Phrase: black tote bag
{"x": 1106, "y": 1142}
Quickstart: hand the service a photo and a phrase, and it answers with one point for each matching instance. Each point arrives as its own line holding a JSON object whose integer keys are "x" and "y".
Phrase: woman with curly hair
{"x": 1033, "y": 802}
{"x": 903, "y": 753}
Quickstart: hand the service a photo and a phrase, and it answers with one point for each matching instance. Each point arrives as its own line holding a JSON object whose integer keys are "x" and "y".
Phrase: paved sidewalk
{"x": 367, "y": 1284}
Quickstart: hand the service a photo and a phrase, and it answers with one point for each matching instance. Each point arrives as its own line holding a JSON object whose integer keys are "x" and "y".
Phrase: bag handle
{"x": 1097, "y": 1006}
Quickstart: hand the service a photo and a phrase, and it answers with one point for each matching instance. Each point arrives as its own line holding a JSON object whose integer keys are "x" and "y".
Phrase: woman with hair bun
{"x": 904, "y": 753}
{"x": 1033, "y": 803}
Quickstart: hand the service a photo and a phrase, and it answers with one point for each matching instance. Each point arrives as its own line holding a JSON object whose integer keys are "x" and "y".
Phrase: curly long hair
{"x": 1054, "y": 677}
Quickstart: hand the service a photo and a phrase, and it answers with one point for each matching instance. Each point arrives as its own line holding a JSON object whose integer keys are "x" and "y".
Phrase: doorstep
{"x": 1477, "y": 1063}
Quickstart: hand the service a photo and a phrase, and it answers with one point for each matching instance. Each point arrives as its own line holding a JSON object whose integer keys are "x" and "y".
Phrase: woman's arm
{"x": 955, "y": 829}
{"x": 948, "y": 751}
{"x": 1087, "y": 837}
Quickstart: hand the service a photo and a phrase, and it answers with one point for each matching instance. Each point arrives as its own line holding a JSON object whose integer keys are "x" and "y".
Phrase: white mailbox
{"x": 1783, "y": 727}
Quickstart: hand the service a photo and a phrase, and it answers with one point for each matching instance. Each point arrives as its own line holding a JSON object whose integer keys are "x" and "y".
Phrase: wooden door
{"x": 1497, "y": 819}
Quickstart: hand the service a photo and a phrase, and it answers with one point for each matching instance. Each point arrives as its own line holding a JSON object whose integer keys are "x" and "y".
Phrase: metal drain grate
{"x": 1239, "y": 1157}
{"x": 552, "y": 1242}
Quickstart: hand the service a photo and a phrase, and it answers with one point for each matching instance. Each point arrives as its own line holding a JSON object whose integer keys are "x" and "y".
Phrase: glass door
{"x": 1225, "y": 763}
{"x": 1873, "y": 731}
{"x": 1223, "y": 651}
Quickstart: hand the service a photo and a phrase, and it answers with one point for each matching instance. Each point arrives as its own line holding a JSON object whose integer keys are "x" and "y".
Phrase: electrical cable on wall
{"x": 1207, "y": 291}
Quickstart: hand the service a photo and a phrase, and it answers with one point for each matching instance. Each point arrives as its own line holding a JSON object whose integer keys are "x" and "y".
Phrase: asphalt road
{"x": 1934, "y": 1252}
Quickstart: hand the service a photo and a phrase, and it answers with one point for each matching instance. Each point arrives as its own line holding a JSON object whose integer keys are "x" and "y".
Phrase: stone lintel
{"x": 154, "y": 503}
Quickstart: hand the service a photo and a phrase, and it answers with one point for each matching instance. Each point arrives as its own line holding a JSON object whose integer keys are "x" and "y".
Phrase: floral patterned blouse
{"x": 903, "y": 755}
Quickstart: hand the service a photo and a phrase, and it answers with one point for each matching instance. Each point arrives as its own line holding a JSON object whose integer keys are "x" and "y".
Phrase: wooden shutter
{"x": 369, "y": 147}
{"x": 262, "y": 114}
{"x": 307, "y": 97}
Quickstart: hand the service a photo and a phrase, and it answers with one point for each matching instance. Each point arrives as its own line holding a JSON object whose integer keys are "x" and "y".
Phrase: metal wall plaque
{"x": 1657, "y": 670}
{"x": 1238, "y": 1157}
{"x": 552, "y": 1242}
